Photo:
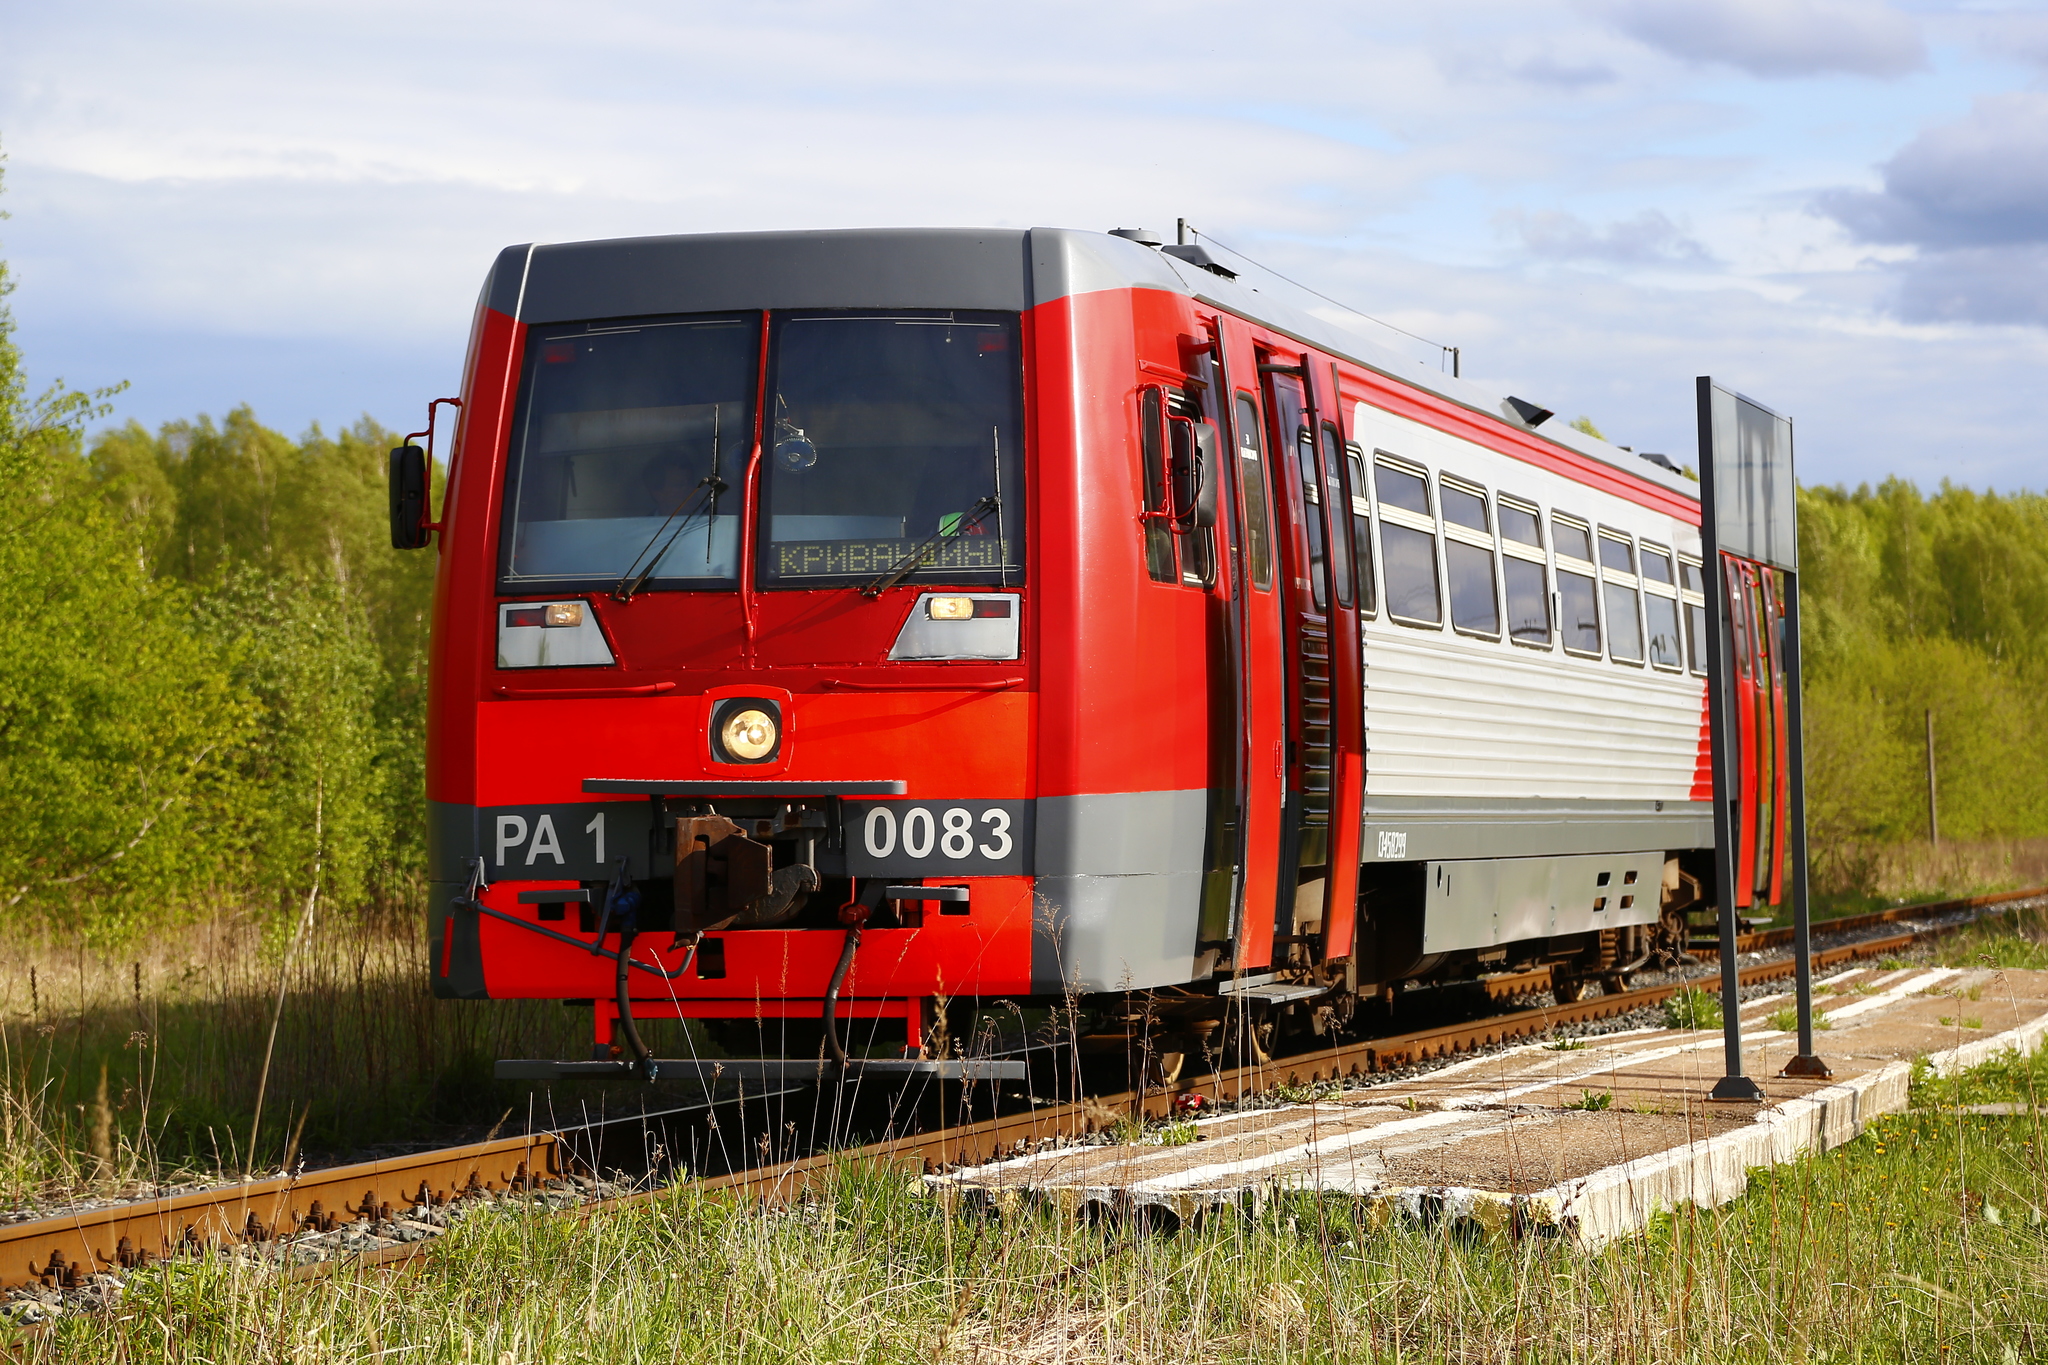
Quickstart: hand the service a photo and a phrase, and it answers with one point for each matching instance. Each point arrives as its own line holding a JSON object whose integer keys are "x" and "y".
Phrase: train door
{"x": 1743, "y": 646}
{"x": 1341, "y": 484}
{"x": 1770, "y": 871}
{"x": 1302, "y": 539}
{"x": 1256, "y": 624}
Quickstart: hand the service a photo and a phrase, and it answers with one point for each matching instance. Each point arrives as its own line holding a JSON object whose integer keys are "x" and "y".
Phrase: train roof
{"x": 1004, "y": 269}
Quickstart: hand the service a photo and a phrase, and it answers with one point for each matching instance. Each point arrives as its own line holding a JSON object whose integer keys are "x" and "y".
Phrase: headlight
{"x": 748, "y": 735}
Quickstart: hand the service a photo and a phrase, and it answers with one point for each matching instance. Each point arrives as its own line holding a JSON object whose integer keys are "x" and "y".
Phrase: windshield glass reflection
{"x": 885, "y": 434}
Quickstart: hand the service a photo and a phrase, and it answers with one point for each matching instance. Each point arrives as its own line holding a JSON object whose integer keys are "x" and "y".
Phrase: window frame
{"x": 1412, "y": 521}
{"x": 1360, "y": 492}
{"x": 1632, "y": 583}
{"x": 1664, "y": 591}
{"x": 1589, "y": 569}
{"x": 1539, "y": 555}
{"x": 1689, "y": 598}
{"x": 1155, "y": 486}
{"x": 1465, "y": 535}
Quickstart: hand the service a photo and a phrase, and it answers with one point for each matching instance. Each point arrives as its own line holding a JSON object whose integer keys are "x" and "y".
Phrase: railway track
{"x": 399, "y": 1204}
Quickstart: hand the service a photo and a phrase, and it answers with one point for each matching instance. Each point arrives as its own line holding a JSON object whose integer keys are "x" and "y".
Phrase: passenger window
{"x": 1258, "y": 546}
{"x": 1663, "y": 620}
{"x": 1464, "y": 508}
{"x": 1524, "y": 575}
{"x": 1414, "y": 594}
{"x": 1624, "y": 624}
{"x": 1571, "y": 539}
{"x": 1333, "y": 498}
{"x": 1580, "y": 612}
{"x": 1528, "y": 602}
{"x": 1656, "y": 565}
{"x": 1399, "y": 488}
{"x": 1361, "y": 529}
{"x": 1692, "y": 584}
{"x": 1468, "y": 560}
{"x": 1475, "y": 609}
{"x": 1152, "y": 455}
{"x": 1616, "y": 554}
{"x": 1618, "y": 596}
{"x": 1519, "y": 524}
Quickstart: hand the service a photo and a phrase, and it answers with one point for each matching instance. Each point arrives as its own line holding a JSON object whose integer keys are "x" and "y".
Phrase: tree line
{"x": 215, "y": 684}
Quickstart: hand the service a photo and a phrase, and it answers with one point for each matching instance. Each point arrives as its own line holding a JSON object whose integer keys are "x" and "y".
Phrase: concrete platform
{"x": 1585, "y": 1143}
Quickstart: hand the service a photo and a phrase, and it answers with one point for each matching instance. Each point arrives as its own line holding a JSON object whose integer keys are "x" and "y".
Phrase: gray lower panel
{"x": 1118, "y": 892}
{"x": 1487, "y": 902}
{"x": 1115, "y": 933}
{"x": 1417, "y": 829}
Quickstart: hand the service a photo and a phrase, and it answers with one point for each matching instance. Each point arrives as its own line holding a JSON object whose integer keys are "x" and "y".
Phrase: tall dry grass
{"x": 1914, "y": 1243}
{"x": 120, "y": 1067}
{"x": 1855, "y": 873}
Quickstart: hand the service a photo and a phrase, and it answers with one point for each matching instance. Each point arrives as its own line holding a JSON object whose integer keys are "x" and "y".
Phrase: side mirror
{"x": 409, "y": 530}
{"x": 1195, "y": 473}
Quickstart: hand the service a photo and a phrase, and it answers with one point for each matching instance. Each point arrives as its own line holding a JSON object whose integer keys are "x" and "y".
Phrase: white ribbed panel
{"x": 1445, "y": 716}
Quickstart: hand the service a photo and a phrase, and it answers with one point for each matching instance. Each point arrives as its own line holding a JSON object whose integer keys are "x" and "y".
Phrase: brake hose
{"x": 641, "y": 1057}
{"x": 852, "y": 914}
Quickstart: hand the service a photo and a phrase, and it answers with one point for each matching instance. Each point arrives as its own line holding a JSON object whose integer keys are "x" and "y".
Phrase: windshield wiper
{"x": 635, "y": 577}
{"x": 906, "y": 566}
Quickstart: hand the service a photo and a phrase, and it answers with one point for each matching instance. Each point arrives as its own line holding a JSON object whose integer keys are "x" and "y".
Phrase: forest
{"x": 219, "y": 701}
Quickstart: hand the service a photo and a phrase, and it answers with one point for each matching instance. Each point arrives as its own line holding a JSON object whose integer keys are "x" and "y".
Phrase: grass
{"x": 1786, "y": 1020}
{"x": 2016, "y": 939}
{"x": 1920, "y": 1241}
{"x": 1693, "y": 1008}
{"x": 119, "y": 1069}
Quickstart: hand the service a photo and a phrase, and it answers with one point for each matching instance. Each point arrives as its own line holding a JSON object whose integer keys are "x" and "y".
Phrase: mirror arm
{"x": 426, "y": 527}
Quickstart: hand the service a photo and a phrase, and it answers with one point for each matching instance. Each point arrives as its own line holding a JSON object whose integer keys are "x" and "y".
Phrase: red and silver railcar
{"x": 1065, "y": 614}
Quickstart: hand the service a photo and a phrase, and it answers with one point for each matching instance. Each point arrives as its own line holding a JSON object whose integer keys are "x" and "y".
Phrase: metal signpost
{"x": 1747, "y": 509}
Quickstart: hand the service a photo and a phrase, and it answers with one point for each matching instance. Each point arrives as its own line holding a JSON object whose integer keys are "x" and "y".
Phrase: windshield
{"x": 888, "y": 436}
{"x": 620, "y": 426}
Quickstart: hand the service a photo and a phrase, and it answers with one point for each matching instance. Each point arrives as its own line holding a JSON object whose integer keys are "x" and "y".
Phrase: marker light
{"x": 748, "y": 735}
{"x": 950, "y": 608}
{"x": 565, "y": 614}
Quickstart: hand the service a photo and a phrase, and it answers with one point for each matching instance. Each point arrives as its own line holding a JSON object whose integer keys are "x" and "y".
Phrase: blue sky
{"x": 1839, "y": 206}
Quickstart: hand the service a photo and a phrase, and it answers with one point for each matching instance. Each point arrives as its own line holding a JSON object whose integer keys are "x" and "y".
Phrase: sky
{"x": 1839, "y": 207}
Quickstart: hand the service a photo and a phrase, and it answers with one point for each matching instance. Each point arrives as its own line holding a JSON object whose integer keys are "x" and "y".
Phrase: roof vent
{"x": 1661, "y": 461}
{"x": 1142, "y": 236}
{"x": 1197, "y": 255}
{"x": 1530, "y": 414}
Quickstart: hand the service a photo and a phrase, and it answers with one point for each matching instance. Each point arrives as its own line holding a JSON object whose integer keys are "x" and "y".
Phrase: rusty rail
{"x": 61, "y": 1251}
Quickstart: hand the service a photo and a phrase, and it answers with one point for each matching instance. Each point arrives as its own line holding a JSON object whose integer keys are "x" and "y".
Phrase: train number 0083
{"x": 952, "y": 831}
{"x": 915, "y": 839}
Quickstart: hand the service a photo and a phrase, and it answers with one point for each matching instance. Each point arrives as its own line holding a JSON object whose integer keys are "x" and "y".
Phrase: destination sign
{"x": 820, "y": 557}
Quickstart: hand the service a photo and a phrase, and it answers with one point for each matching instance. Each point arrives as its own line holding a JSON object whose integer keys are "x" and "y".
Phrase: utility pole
{"x": 1933, "y": 819}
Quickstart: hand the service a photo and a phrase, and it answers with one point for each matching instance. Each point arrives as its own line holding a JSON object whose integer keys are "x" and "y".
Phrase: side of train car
{"x": 1071, "y": 616}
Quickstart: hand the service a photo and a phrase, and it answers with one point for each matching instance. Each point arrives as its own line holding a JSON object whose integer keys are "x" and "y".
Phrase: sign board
{"x": 1751, "y": 467}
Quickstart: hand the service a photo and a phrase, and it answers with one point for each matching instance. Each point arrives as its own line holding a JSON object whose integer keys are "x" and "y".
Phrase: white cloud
{"x": 1776, "y": 38}
{"x": 295, "y": 204}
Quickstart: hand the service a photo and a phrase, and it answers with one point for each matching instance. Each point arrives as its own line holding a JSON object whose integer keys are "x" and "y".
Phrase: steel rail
{"x": 59, "y": 1252}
